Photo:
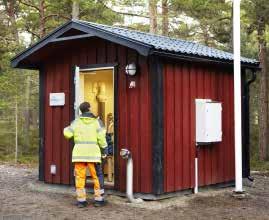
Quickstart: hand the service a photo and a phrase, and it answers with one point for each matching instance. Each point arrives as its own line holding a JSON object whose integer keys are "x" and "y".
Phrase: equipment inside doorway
{"x": 97, "y": 88}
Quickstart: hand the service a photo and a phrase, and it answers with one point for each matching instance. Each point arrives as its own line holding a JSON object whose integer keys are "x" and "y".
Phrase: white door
{"x": 77, "y": 93}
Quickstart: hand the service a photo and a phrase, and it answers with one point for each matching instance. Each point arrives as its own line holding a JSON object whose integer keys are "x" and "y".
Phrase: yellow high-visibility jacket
{"x": 89, "y": 136}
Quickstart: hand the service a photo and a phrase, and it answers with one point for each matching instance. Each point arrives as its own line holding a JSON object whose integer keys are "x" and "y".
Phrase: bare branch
{"x": 130, "y": 14}
{"x": 224, "y": 18}
{"x": 30, "y": 5}
{"x": 57, "y": 16}
{"x": 123, "y": 13}
{"x": 32, "y": 32}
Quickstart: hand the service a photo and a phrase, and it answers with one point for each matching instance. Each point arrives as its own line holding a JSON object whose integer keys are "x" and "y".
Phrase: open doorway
{"x": 96, "y": 86}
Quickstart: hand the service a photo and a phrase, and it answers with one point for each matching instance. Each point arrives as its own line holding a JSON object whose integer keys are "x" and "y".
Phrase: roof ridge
{"x": 158, "y": 35}
{"x": 138, "y": 40}
{"x": 142, "y": 32}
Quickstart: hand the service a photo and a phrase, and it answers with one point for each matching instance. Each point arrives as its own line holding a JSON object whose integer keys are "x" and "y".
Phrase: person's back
{"x": 89, "y": 137}
{"x": 86, "y": 140}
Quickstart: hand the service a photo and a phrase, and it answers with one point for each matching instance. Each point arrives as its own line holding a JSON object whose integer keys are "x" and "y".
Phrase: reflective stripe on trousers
{"x": 81, "y": 194}
{"x": 80, "y": 179}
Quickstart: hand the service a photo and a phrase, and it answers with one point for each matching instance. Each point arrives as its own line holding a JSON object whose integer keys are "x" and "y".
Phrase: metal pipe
{"x": 249, "y": 82}
{"x": 196, "y": 170}
{"x": 237, "y": 97}
{"x": 126, "y": 154}
{"x": 196, "y": 176}
{"x": 129, "y": 179}
{"x": 246, "y": 156}
{"x": 253, "y": 78}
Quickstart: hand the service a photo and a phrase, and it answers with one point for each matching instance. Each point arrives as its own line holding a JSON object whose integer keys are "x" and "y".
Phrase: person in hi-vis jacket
{"x": 90, "y": 137}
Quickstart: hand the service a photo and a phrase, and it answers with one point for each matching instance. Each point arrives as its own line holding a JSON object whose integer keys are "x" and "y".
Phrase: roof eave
{"x": 191, "y": 57}
{"x": 141, "y": 48}
{"x": 39, "y": 44}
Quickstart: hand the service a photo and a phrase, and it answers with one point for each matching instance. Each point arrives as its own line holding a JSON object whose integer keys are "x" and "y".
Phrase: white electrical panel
{"x": 208, "y": 121}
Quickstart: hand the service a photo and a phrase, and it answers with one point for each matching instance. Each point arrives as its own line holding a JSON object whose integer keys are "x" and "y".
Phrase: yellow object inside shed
{"x": 96, "y": 87}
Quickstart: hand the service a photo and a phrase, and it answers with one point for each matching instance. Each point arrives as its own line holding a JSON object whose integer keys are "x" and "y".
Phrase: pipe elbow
{"x": 126, "y": 154}
{"x": 131, "y": 199}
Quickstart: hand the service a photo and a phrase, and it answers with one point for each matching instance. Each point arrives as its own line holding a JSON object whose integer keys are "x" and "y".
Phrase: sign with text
{"x": 57, "y": 99}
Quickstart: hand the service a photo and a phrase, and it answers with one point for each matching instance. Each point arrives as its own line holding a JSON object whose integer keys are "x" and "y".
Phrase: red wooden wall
{"x": 183, "y": 83}
{"x": 134, "y": 108}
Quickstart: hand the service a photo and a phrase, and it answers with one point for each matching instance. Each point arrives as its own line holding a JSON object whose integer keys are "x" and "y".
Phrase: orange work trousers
{"x": 80, "y": 178}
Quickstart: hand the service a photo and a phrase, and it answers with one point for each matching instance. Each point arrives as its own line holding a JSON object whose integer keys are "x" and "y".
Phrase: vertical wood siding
{"x": 183, "y": 83}
{"x": 134, "y": 111}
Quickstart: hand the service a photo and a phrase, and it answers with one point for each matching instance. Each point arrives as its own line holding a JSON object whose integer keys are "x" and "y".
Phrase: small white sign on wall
{"x": 53, "y": 169}
{"x": 57, "y": 99}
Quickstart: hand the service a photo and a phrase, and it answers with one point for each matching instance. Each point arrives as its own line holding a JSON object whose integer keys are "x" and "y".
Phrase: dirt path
{"x": 19, "y": 201}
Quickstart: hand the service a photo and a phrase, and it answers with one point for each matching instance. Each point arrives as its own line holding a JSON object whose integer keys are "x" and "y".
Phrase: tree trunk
{"x": 205, "y": 34}
{"x": 75, "y": 9}
{"x": 230, "y": 45}
{"x": 16, "y": 129}
{"x": 263, "y": 101}
{"x": 27, "y": 114}
{"x": 165, "y": 17}
{"x": 153, "y": 16}
{"x": 42, "y": 27}
{"x": 10, "y": 8}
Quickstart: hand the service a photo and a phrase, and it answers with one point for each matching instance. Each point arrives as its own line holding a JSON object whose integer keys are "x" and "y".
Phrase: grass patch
{"x": 22, "y": 159}
{"x": 258, "y": 165}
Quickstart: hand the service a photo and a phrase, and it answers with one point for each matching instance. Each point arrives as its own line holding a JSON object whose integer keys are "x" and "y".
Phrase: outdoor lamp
{"x": 130, "y": 69}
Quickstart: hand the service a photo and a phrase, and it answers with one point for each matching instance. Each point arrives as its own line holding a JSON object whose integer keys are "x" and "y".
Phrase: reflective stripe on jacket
{"x": 89, "y": 137}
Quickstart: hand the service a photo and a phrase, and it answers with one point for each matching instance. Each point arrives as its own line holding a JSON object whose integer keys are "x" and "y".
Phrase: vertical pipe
{"x": 126, "y": 154}
{"x": 237, "y": 96}
{"x": 247, "y": 131}
{"x": 196, "y": 176}
{"x": 244, "y": 124}
{"x": 129, "y": 181}
{"x": 16, "y": 130}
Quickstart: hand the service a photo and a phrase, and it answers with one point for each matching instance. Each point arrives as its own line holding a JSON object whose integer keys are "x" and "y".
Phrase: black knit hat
{"x": 84, "y": 107}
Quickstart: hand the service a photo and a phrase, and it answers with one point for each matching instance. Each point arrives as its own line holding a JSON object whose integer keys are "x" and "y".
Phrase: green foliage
{"x": 29, "y": 159}
{"x": 95, "y": 11}
{"x": 21, "y": 86}
{"x": 211, "y": 23}
{"x": 58, "y": 12}
{"x": 258, "y": 165}
{"x": 205, "y": 21}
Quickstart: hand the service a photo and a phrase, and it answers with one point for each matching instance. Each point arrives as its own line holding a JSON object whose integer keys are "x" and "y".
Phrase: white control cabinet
{"x": 208, "y": 121}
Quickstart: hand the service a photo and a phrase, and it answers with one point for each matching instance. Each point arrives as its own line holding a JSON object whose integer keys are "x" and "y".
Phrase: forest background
{"x": 209, "y": 22}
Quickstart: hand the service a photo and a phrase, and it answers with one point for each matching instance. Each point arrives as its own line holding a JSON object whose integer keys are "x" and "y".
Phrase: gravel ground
{"x": 23, "y": 197}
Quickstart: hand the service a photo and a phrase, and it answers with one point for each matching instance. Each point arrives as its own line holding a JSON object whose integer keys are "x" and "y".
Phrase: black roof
{"x": 144, "y": 43}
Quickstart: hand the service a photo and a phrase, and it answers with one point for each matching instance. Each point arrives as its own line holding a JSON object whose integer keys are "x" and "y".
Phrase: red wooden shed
{"x": 153, "y": 111}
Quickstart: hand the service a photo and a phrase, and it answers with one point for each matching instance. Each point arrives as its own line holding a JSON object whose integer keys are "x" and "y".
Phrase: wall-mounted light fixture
{"x": 131, "y": 69}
